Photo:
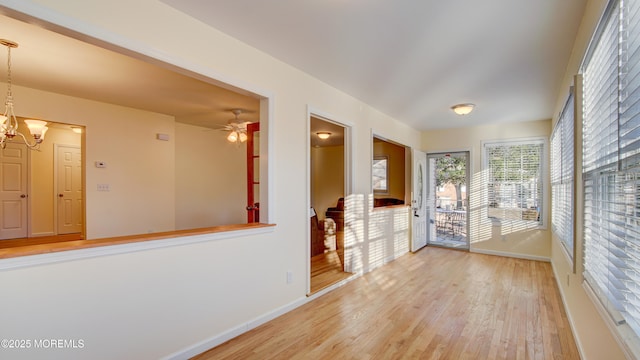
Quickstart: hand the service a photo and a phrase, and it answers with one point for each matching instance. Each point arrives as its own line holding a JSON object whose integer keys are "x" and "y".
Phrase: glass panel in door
{"x": 447, "y": 195}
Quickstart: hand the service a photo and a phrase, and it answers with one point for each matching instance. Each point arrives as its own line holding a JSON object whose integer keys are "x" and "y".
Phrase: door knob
{"x": 60, "y": 195}
{"x": 23, "y": 196}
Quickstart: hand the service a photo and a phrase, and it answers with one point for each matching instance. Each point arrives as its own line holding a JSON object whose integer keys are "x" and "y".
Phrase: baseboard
{"x": 566, "y": 310}
{"x": 510, "y": 254}
{"x": 46, "y": 233}
{"x": 216, "y": 340}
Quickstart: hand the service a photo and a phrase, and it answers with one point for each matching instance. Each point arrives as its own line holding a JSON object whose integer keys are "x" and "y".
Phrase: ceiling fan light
{"x": 233, "y": 136}
{"x": 462, "y": 109}
{"x": 323, "y": 135}
{"x": 243, "y": 137}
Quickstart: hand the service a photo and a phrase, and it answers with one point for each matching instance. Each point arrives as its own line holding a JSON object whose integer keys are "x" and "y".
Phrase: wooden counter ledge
{"x": 13, "y": 250}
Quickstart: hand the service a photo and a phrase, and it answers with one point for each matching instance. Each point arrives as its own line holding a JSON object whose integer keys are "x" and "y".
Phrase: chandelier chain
{"x": 9, "y": 92}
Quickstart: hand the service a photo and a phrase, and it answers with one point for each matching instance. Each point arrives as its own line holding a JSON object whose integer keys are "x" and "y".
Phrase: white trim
{"x": 348, "y": 185}
{"x": 572, "y": 324}
{"x": 544, "y": 174}
{"x": 407, "y": 171}
{"x": 216, "y": 340}
{"x": 469, "y": 170}
{"x": 510, "y": 254}
{"x": 267, "y": 161}
{"x": 609, "y": 321}
{"x": 79, "y": 254}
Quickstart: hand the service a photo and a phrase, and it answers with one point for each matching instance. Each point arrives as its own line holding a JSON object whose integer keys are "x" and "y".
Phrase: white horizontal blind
{"x": 630, "y": 86}
{"x": 601, "y": 99}
{"x": 562, "y": 143}
{"x": 514, "y": 180}
{"x": 611, "y": 165}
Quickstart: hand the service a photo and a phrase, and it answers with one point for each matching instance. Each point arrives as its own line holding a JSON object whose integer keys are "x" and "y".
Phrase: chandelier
{"x": 237, "y": 128}
{"x": 8, "y": 121}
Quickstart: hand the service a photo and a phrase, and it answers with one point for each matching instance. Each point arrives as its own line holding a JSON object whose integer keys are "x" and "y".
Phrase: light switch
{"x": 103, "y": 187}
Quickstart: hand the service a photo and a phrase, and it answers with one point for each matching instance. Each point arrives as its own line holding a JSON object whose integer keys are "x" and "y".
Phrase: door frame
{"x": 423, "y": 210}
{"x": 469, "y": 153}
{"x": 348, "y": 177}
{"x": 28, "y": 191}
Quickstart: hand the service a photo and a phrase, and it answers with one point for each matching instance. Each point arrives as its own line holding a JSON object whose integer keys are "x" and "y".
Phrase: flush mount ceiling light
{"x": 8, "y": 121}
{"x": 462, "y": 109}
{"x": 323, "y": 135}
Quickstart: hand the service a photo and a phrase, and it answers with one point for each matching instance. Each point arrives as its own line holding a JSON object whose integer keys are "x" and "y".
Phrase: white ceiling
{"x": 414, "y": 59}
{"x": 52, "y": 62}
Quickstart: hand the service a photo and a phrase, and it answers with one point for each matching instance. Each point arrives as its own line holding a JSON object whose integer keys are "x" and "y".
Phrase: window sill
{"x": 22, "y": 256}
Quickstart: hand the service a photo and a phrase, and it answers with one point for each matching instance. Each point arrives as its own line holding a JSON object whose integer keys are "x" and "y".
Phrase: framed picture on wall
{"x": 380, "y": 173}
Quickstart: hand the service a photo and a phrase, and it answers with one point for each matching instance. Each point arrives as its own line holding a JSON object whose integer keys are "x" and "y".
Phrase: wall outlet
{"x": 103, "y": 187}
{"x": 289, "y": 277}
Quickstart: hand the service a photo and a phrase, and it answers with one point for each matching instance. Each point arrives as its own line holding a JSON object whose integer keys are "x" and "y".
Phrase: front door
{"x": 448, "y": 198}
{"x": 13, "y": 192}
{"x": 69, "y": 184}
{"x": 418, "y": 201}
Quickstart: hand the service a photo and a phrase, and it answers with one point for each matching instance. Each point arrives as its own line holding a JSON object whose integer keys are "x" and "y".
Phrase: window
{"x": 562, "y": 143}
{"x": 611, "y": 166}
{"x": 514, "y": 180}
{"x": 380, "y": 174}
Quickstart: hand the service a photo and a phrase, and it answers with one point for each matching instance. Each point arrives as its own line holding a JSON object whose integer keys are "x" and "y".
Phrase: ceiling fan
{"x": 237, "y": 128}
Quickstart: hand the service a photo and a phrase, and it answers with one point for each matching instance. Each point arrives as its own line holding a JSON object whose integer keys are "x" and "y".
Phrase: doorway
{"x": 44, "y": 201}
{"x": 448, "y": 179}
{"x": 328, "y": 189}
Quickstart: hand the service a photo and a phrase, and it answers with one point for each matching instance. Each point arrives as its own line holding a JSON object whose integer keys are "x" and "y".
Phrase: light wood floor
{"x": 326, "y": 270}
{"x": 435, "y": 304}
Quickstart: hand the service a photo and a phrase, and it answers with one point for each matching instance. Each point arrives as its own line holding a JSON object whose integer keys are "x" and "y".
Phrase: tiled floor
{"x": 446, "y": 238}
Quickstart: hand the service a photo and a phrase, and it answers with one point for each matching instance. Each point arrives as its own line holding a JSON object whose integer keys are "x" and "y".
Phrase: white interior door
{"x": 418, "y": 202}
{"x": 13, "y": 192}
{"x": 69, "y": 189}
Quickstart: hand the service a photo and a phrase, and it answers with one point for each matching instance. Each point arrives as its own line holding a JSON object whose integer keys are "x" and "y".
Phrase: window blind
{"x": 562, "y": 144}
{"x": 514, "y": 180}
{"x": 611, "y": 164}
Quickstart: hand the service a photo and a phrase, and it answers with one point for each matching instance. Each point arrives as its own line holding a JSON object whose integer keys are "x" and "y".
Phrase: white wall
{"x": 140, "y": 169}
{"x": 484, "y": 236}
{"x": 211, "y": 177}
{"x": 593, "y": 336}
{"x": 157, "y": 302}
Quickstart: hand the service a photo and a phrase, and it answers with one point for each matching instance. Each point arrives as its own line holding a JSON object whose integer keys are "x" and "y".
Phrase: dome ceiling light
{"x": 462, "y": 109}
